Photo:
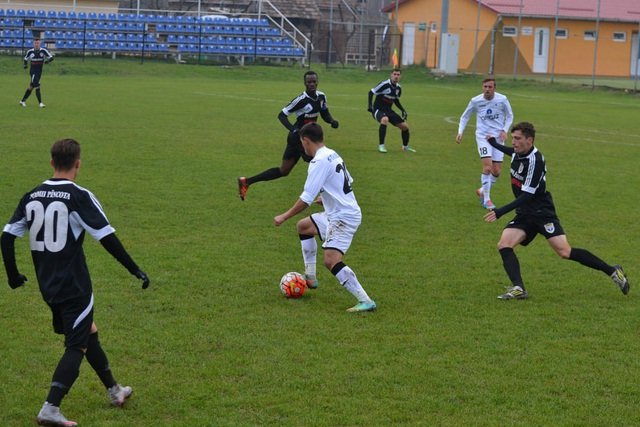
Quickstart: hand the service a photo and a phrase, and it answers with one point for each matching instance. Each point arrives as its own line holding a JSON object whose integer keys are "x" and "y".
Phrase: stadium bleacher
{"x": 150, "y": 33}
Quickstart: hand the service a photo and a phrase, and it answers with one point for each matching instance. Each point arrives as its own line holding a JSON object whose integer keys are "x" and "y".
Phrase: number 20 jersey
{"x": 56, "y": 214}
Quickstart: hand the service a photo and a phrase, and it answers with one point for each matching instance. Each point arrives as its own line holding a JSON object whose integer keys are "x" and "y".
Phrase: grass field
{"x": 213, "y": 343}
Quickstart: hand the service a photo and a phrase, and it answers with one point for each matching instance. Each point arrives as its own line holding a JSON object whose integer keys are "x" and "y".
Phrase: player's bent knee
{"x": 285, "y": 171}
{"x": 503, "y": 245}
{"x": 305, "y": 226}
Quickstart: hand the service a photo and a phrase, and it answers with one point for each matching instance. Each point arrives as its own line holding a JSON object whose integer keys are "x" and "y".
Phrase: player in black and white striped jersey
{"x": 307, "y": 107}
{"x": 56, "y": 214}
{"x": 535, "y": 214}
{"x": 37, "y": 56}
{"x": 387, "y": 93}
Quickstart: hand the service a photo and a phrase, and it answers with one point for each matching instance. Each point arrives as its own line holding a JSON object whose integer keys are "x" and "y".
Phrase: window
{"x": 590, "y": 34}
{"x": 509, "y": 31}
{"x": 562, "y": 33}
{"x": 619, "y": 36}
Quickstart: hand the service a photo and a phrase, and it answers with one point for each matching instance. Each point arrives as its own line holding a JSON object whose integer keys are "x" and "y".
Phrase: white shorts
{"x": 334, "y": 235}
{"x": 486, "y": 150}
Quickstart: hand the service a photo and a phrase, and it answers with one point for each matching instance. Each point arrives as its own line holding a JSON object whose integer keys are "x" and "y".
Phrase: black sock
{"x": 511, "y": 266}
{"x": 26, "y": 95}
{"x": 98, "y": 361}
{"x": 268, "y": 175}
{"x": 336, "y": 268}
{"x": 585, "y": 257}
{"x": 38, "y": 95}
{"x": 382, "y": 133}
{"x": 405, "y": 137}
{"x": 65, "y": 375}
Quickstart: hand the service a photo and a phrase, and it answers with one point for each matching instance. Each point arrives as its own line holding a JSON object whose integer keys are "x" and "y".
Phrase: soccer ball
{"x": 293, "y": 285}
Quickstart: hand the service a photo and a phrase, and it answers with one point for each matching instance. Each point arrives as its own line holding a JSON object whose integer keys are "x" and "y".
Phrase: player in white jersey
{"x": 336, "y": 226}
{"x": 493, "y": 118}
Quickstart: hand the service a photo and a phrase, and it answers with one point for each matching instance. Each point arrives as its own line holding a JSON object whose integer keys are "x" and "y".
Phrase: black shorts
{"x": 534, "y": 225}
{"x": 394, "y": 118}
{"x": 294, "y": 149}
{"x": 35, "y": 80}
{"x": 73, "y": 319}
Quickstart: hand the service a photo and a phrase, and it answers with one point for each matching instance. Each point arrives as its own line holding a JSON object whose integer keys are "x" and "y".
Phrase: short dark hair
{"x": 64, "y": 154}
{"x": 313, "y": 131}
{"x": 489, "y": 79}
{"x": 309, "y": 73}
{"x": 526, "y": 128}
{"x": 396, "y": 70}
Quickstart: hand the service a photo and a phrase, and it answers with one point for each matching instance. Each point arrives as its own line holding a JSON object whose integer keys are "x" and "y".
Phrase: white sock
{"x": 348, "y": 279}
{"x": 309, "y": 252}
{"x": 310, "y": 271}
{"x": 486, "y": 186}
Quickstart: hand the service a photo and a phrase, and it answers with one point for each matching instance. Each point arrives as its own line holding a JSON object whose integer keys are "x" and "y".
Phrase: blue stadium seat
{"x": 10, "y": 12}
{"x": 41, "y": 14}
{"x": 82, "y": 15}
{"x": 21, "y": 13}
{"x": 102, "y": 16}
{"x": 93, "y": 16}
{"x": 1, "y": 13}
{"x": 112, "y": 17}
{"x": 62, "y": 14}
{"x": 31, "y": 13}
{"x": 72, "y": 15}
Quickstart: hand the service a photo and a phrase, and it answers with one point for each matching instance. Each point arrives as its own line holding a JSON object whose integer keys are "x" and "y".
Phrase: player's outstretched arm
{"x": 7, "y": 241}
{"x": 516, "y": 203}
{"x": 297, "y": 207}
{"x": 113, "y": 245}
{"x": 494, "y": 143}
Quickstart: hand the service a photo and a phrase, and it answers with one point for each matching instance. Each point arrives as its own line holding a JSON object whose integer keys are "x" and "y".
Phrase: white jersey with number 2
{"x": 328, "y": 176}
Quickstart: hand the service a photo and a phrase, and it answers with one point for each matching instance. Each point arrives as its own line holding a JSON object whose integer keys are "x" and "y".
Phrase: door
{"x": 541, "y": 54}
{"x": 635, "y": 56}
{"x": 408, "y": 43}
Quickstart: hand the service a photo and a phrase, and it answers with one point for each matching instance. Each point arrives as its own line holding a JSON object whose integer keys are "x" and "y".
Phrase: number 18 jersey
{"x": 56, "y": 215}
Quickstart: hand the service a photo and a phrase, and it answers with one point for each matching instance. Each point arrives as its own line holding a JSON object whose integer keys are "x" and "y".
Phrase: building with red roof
{"x": 564, "y": 37}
